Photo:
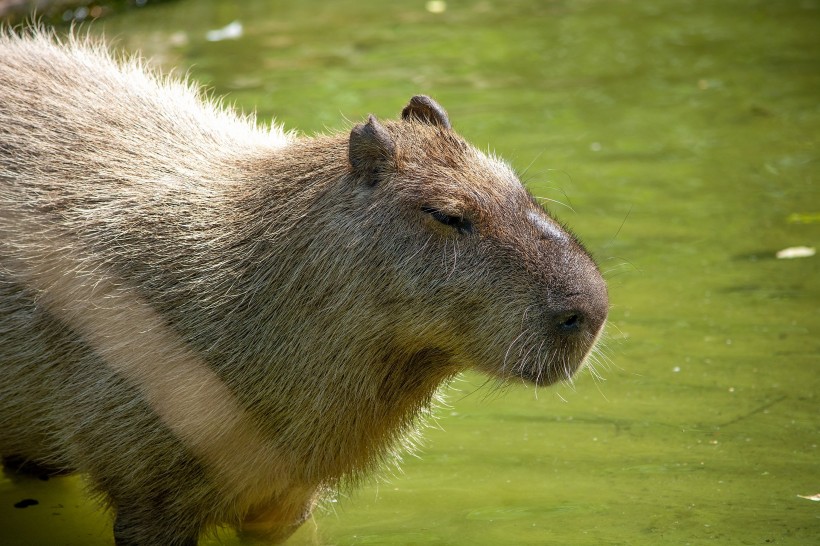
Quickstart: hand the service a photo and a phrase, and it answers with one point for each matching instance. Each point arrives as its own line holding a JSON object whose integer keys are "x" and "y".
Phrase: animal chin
{"x": 559, "y": 365}
{"x": 544, "y": 376}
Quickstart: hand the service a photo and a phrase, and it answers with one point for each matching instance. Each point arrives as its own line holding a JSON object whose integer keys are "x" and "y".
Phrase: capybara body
{"x": 220, "y": 323}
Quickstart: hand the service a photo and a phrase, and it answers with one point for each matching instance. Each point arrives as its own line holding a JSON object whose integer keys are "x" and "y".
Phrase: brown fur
{"x": 219, "y": 323}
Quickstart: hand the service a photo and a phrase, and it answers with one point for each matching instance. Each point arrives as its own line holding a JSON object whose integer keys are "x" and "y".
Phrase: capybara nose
{"x": 583, "y": 318}
{"x": 570, "y": 322}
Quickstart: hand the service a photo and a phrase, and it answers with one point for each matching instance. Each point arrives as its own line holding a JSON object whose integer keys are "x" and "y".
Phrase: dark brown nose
{"x": 584, "y": 316}
{"x": 570, "y": 322}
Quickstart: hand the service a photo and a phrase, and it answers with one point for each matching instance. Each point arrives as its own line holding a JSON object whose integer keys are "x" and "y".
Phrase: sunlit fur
{"x": 220, "y": 323}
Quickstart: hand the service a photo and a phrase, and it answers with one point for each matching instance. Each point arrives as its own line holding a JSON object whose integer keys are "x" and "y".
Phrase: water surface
{"x": 682, "y": 139}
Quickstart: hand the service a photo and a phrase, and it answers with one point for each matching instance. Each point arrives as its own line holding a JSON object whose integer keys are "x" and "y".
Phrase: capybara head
{"x": 464, "y": 267}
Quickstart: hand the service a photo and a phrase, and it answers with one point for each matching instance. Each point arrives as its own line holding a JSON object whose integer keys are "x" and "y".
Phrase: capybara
{"x": 220, "y": 323}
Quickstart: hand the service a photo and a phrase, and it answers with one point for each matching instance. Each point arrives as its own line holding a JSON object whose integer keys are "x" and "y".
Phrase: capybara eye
{"x": 457, "y": 222}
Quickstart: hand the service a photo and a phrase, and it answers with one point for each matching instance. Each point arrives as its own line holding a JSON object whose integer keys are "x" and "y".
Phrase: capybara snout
{"x": 493, "y": 280}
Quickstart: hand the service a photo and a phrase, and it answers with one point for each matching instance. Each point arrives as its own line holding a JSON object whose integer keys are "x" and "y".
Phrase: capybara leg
{"x": 130, "y": 530}
{"x": 22, "y": 465}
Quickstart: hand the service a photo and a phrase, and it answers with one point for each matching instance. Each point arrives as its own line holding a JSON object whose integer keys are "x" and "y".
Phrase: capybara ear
{"x": 426, "y": 110}
{"x": 371, "y": 146}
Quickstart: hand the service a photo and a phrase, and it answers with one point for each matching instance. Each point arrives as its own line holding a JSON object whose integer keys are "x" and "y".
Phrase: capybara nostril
{"x": 570, "y": 322}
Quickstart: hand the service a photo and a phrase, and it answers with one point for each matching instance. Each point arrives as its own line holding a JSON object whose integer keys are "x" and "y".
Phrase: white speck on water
{"x": 676, "y": 369}
{"x": 232, "y": 31}
{"x": 795, "y": 252}
{"x": 595, "y": 147}
{"x": 815, "y": 498}
{"x": 436, "y": 6}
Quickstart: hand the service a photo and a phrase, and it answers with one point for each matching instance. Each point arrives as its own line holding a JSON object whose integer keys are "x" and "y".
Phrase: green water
{"x": 684, "y": 135}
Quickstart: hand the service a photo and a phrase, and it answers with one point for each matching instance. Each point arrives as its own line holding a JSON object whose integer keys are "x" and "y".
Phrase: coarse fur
{"x": 220, "y": 323}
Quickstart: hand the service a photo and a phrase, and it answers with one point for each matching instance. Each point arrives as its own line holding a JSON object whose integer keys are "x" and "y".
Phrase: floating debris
{"x": 795, "y": 252}
{"x": 232, "y": 31}
{"x": 815, "y": 498}
{"x": 436, "y": 6}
